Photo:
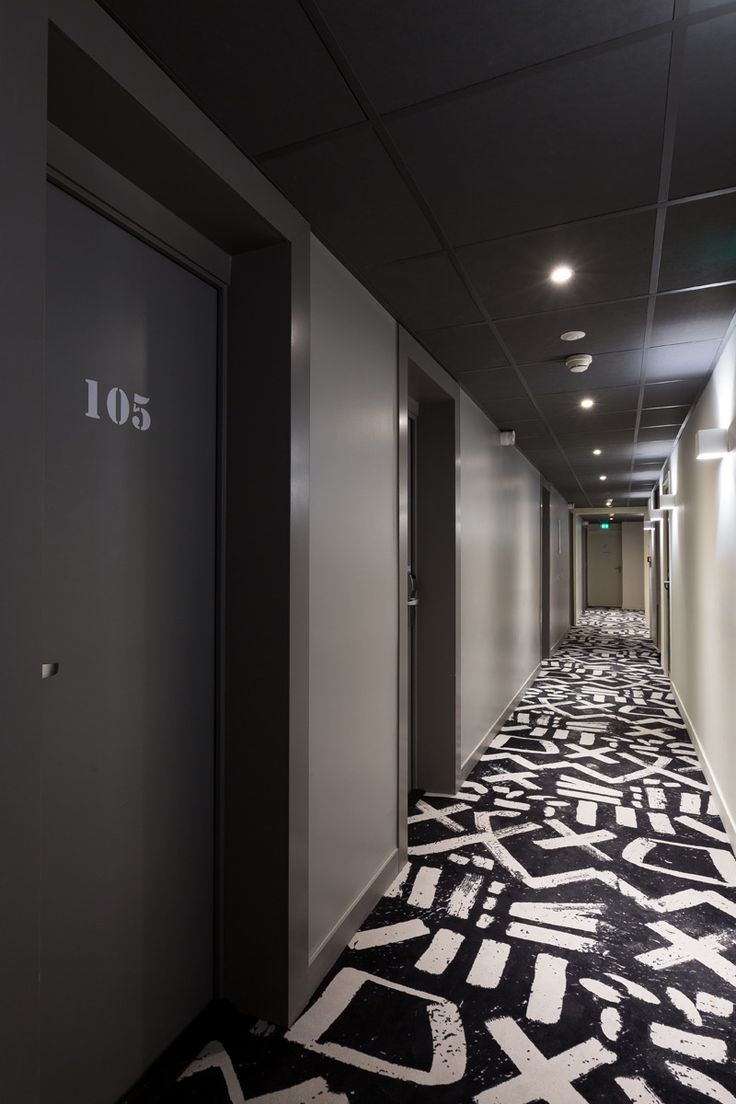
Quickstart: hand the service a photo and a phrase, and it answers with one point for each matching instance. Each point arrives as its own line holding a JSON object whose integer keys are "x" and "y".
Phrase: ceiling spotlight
{"x": 579, "y": 363}
{"x": 609, "y": 502}
{"x": 596, "y": 452}
{"x": 586, "y": 403}
{"x": 603, "y": 478}
{"x": 561, "y": 274}
{"x": 572, "y": 335}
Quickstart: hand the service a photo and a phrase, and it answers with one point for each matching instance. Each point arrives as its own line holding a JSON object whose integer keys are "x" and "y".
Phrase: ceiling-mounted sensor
{"x": 579, "y": 363}
{"x": 572, "y": 335}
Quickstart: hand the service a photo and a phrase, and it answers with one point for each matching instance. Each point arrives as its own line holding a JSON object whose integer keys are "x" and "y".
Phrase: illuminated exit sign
{"x": 605, "y": 525}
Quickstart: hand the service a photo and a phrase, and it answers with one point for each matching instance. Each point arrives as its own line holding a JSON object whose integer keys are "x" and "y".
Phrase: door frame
{"x": 82, "y": 175}
{"x": 160, "y": 142}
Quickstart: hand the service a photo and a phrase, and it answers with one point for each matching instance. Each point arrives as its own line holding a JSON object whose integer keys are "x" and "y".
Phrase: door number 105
{"x": 119, "y": 406}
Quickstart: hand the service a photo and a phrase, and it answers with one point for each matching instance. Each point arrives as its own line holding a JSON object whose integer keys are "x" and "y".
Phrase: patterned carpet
{"x": 564, "y": 930}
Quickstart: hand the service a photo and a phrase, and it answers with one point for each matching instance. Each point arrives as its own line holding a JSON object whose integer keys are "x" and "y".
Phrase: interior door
{"x": 605, "y": 587}
{"x": 129, "y": 599}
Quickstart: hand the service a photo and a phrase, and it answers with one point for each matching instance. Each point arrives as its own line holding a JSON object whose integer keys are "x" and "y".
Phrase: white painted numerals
{"x": 119, "y": 407}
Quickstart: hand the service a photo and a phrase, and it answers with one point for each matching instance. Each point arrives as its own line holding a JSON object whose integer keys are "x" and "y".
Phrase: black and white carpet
{"x": 565, "y": 929}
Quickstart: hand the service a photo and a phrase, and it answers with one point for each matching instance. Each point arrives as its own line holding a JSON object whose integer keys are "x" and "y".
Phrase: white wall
{"x": 559, "y": 568}
{"x": 353, "y": 629}
{"x": 703, "y": 590}
{"x": 632, "y": 565}
{"x": 499, "y": 574}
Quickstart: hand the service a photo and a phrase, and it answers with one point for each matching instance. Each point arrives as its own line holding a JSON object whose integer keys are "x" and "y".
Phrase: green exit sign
{"x": 604, "y": 525}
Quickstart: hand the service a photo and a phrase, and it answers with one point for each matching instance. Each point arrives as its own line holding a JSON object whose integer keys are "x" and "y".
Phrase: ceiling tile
{"x": 606, "y": 399}
{"x": 424, "y": 292}
{"x": 496, "y": 383}
{"x": 677, "y": 393}
{"x": 608, "y": 327}
{"x": 611, "y": 259}
{"x": 607, "y": 370}
{"x": 537, "y": 152}
{"x": 703, "y": 161}
{"x": 258, "y": 68}
{"x": 693, "y": 315}
{"x": 531, "y": 429}
{"x": 469, "y": 40}
{"x": 464, "y": 348}
{"x": 659, "y": 437}
{"x": 573, "y": 426}
{"x": 354, "y": 198}
{"x": 699, "y": 243}
{"x": 663, "y": 416}
{"x": 506, "y": 412}
{"x": 689, "y": 359}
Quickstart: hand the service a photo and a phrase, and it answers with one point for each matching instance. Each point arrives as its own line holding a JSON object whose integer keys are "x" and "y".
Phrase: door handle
{"x": 48, "y": 670}
{"x": 413, "y": 602}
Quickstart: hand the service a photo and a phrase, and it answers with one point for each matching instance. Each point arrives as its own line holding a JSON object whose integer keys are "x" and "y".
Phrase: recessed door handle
{"x": 413, "y": 602}
{"x": 48, "y": 670}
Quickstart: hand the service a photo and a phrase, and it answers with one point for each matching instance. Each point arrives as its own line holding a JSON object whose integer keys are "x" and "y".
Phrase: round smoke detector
{"x": 580, "y": 363}
{"x": 572, "y": 335}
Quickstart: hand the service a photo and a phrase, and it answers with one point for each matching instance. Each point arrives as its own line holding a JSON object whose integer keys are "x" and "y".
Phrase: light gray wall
{"x": 703, "y": 590}
{"x": 559, "y": 567}
{"x": 353, "y": 628}
{"x": 632, "y": 565}
{"x": 499, "y": 574}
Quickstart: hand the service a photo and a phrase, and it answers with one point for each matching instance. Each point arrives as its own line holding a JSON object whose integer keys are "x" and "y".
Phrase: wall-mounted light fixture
{"x": 667, "y": 502}
{"x": 712, "y": 444}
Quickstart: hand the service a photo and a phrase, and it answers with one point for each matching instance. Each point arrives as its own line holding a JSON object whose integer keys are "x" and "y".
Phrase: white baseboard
{"x": 729, "y": 821}
{"x": 475, "y": 755}
{"x": 332, "y": 946}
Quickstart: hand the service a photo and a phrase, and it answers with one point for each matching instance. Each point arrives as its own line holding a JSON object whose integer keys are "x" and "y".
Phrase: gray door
{"x": 127, "y": 760}
{"x": 605, "y": 584}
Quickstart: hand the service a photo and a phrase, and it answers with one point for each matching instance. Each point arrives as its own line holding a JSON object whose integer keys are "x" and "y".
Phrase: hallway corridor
{"x": 564, "y": 930}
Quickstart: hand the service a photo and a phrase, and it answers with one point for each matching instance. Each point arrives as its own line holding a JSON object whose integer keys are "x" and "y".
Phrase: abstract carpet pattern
{"x": 564, "y": 930}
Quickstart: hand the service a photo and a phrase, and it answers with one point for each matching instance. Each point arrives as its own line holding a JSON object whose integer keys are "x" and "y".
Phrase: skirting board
{"x": 729, "y": 823}
{"x": 495, "y": 728}
{"x": 335, "y": 943}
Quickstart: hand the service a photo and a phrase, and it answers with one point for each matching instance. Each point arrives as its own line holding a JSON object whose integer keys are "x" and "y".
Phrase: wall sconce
{"x": 667, "y": 502}
{"x": 712, "y": 444}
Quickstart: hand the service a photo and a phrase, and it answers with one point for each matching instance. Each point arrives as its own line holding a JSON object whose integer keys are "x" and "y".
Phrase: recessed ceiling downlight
{"x": 596, "y": 452}
{"x": 572, "y": 335}
{"x": 586, "y": 403}
{"x": 603, "y": 478}
{"x": 560, "y": 274}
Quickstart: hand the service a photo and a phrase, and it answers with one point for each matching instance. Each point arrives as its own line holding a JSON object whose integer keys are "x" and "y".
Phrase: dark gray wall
{"x": 22, "y": 210}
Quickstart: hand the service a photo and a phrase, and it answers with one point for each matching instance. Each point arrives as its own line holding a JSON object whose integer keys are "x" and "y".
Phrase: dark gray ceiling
{"x": 452, "y": 153}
